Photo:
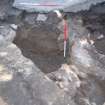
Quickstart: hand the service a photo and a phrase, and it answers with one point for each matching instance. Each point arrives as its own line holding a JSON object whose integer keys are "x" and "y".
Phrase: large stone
{"x": 14, "y": 16}
{"x": 67, "y": 6}
{"x": 7, "y": 34}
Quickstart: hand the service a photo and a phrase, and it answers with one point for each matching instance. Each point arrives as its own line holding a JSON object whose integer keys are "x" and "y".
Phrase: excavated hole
{"x": 39, "y": 43}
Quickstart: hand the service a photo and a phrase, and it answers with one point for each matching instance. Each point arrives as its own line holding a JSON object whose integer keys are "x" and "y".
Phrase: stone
{"x": 7, "y": 34}
{"x": 14, "y": 16}
{"x": 41, "y": 17}
{"x": 4, "y": 6}
{"x": 66, "y": 79}
{"x": 53, "y": 19}
{"x": 30, "y": 18}
{"x": 98, "y": 9}
{"x": 13, "y": 26}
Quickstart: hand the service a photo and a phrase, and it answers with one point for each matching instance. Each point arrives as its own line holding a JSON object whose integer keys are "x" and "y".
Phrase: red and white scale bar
{"x": 65, "y": 36}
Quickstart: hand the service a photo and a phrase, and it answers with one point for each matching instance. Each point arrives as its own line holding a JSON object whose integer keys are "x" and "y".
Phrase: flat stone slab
{"x": 46, "y": 6}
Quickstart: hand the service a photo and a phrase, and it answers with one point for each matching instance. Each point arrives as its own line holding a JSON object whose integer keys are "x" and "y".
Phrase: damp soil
{"x": 40, "y": 45}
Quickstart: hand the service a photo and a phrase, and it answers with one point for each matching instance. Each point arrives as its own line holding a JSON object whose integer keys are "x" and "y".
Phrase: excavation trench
{"x": 39, "y": 43}
{"x": 82, "y": 84}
